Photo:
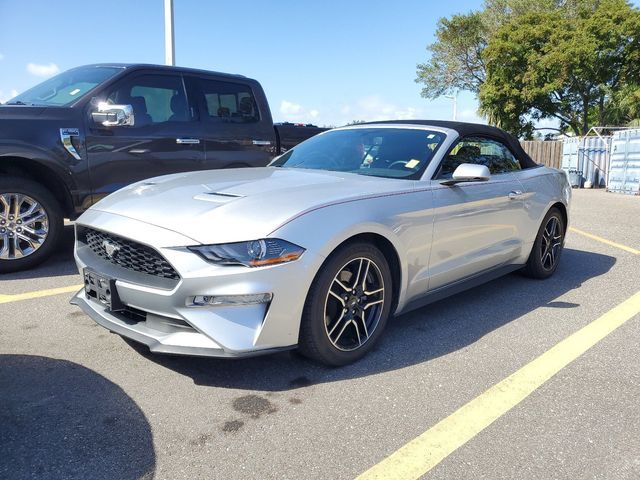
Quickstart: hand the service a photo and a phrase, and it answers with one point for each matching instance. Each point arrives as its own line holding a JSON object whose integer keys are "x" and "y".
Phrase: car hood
{"x": 217, "y": 206}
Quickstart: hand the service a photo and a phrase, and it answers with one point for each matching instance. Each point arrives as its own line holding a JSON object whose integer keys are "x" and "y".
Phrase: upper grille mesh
{"x": 131, "y": 255}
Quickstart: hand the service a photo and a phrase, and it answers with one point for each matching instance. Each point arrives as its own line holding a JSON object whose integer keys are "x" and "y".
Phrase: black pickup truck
{"x": 71, "y": 140}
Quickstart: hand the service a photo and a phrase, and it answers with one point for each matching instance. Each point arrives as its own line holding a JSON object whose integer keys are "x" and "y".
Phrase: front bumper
{"x": 163, "y": 319}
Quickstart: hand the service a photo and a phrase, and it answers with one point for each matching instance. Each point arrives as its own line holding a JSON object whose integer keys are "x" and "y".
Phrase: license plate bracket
{"x": 102, "y": 289}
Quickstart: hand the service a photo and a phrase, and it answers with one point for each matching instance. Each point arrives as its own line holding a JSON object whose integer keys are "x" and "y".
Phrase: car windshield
{"x": 381, "y": 152}
{"x": 66, "y": 87}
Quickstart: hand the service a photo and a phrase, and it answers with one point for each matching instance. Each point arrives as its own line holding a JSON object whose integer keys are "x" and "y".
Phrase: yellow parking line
{"x": 604, "y": 240}
{"x": 38, "y": 294}
{"x": 427, "y": 450}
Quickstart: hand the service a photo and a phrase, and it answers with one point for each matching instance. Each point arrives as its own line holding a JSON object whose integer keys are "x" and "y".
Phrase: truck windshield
{"x": 65, "y": 88}
{"x": 381, "y": 152}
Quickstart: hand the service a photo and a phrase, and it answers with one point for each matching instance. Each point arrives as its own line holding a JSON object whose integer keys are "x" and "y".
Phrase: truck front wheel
{"x": 31, "y": 223}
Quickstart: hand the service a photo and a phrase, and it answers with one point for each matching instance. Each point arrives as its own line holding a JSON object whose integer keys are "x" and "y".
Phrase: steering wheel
{"x": 398, "y": 163}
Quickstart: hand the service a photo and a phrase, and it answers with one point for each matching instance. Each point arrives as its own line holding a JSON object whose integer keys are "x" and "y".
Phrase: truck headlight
{"x": 256, "y": 253}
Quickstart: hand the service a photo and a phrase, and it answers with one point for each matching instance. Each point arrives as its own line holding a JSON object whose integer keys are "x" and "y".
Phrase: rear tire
{"x": 347, "y": 306}
{"x": 31, "y": 224}
{"x": 547, "y": 248}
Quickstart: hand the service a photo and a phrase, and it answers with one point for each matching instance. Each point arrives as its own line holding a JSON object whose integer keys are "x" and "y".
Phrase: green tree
{"x": 577, "y": 61}
{"x": 456, "y": 57}
{"x": 578, "y": 68}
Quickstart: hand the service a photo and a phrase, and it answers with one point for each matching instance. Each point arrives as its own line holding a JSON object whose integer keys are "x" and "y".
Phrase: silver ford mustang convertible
{"x": 319, "y": 249}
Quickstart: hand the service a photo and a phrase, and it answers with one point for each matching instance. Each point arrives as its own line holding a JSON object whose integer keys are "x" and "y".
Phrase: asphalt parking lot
{"x": 79, "y": 402}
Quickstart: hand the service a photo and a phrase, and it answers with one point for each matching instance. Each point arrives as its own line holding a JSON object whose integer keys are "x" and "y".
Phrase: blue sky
{"x": 326, "y": 62}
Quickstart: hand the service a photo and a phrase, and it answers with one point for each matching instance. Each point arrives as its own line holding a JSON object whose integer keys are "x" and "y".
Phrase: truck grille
{"x": 128, "y": 254}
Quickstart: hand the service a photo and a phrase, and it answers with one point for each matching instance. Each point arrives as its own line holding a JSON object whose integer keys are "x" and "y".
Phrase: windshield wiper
{"x": 18, "y": 102}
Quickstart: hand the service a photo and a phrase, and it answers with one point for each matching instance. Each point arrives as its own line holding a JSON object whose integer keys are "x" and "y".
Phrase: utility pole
{"x": 454, "y": 97}
{"x": 169, "y": 39}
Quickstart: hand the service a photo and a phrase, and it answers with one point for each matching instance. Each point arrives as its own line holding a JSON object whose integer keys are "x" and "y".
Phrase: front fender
{"x": 395, "y": 218}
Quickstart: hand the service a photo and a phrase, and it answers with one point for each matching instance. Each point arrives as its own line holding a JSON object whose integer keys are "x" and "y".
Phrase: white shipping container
{"x": 589, "y": 155}
{"x": 624, "y": 169}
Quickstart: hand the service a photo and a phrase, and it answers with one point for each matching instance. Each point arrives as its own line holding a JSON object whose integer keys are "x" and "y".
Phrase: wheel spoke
{"x": 5, "y": 205}
{"x": 38, "y": 217}
{"x": 335, "y": 325}
{"x": 355, "y": 283}
{"x": 371, "y": 304}
{"x": 364, "y": 277}
{"x": 341, "y": 285}
{"x": 346, "y": 324}
{"x": 4, "y": 252}
{"x": 17, "y": 251}
{"x": 337, "y": 297}
{"x": 364, "y": 326}
{"x": 34, "y": 206}
{"x": 355, "y": 324}
{"x": 373, "y": 292}
{"x": 17, "y": 202}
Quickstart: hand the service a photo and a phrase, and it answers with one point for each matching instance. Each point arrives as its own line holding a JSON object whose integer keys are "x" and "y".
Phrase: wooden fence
{"x": 547, "y": 153}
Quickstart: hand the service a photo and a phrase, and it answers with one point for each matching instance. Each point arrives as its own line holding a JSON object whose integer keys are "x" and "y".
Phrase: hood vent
{"x": 217, "y": 197}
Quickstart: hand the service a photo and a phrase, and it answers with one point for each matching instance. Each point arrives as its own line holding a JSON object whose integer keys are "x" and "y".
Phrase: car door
{"x": 236, "y": 133}
{"x": 165, "y": 136}
{"x": 478, "y": 225}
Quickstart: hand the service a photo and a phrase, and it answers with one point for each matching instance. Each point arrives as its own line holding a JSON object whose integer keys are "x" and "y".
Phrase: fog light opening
{"x": 213, "y": 300}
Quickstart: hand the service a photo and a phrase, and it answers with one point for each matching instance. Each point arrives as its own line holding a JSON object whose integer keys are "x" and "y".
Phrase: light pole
{"x": 169, "y": 40}
{"x": 454, "y": 97}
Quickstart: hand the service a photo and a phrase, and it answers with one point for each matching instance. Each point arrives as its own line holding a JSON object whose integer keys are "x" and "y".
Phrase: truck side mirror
{"x": 114, "y": 115}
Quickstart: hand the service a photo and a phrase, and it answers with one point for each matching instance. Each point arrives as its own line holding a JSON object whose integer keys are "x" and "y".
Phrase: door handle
{"x": 261, "y": 142}
{"x": 513, "y": 194}
{"x": 187, "y": 141}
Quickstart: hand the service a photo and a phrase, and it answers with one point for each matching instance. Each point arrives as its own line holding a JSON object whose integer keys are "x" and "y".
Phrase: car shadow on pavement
{"x": 60, "y": 263}
{"x": 61, "y": 420}
{"x": 412, "y": 338}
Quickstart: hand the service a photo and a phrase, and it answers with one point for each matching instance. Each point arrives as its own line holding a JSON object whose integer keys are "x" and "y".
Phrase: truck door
{"x": 163, "y": 139}
{"x": 237, "y": 133}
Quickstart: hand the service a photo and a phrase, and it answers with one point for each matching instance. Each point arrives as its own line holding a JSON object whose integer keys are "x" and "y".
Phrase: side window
{"x": 483, "y": 151}
{"x": 229, "y": 102}
{"x": 155, "y": 99}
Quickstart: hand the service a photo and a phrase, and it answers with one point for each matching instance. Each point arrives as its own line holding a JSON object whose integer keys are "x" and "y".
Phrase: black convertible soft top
{"x": 473, "y": 129}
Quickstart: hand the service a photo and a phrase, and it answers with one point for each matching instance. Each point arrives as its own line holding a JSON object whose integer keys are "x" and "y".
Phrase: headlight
{"x": 256, "y": 253}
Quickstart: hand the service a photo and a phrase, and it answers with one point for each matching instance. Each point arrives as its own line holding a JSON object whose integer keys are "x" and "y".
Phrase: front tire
{"x": 347, "y": 306}
{"x": 547, "y": 248}
{"x": 31, "y": 224}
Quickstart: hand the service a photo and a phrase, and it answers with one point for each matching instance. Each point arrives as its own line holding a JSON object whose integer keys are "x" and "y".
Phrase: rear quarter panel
{"x": 542, "y": 187}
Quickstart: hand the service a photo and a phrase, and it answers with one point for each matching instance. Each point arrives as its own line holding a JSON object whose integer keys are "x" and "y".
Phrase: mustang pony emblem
{"x": 111, "y": 249}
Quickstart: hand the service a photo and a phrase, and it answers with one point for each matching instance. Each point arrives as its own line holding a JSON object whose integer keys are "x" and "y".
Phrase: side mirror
{"x": 469, "y": 172}
{"x": 114, "y": 115}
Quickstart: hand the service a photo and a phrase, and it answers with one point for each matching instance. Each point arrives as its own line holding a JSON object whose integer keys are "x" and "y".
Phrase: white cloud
{"x": 42, "y": 70}
{"x": 296, "y": 113}
{"x": 374, "y": 107}
{"x": 470, "y": 115}
{"x": 5, "y": 96}
{"x": 290, "y": 108}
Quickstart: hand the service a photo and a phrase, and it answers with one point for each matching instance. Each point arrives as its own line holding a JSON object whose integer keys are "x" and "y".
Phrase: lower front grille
{"x": 127, "y": 253}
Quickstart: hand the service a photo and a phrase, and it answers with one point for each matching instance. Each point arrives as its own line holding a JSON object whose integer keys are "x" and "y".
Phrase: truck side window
{"x": 154, "y": 98}
{"x": 229, "y": 102}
